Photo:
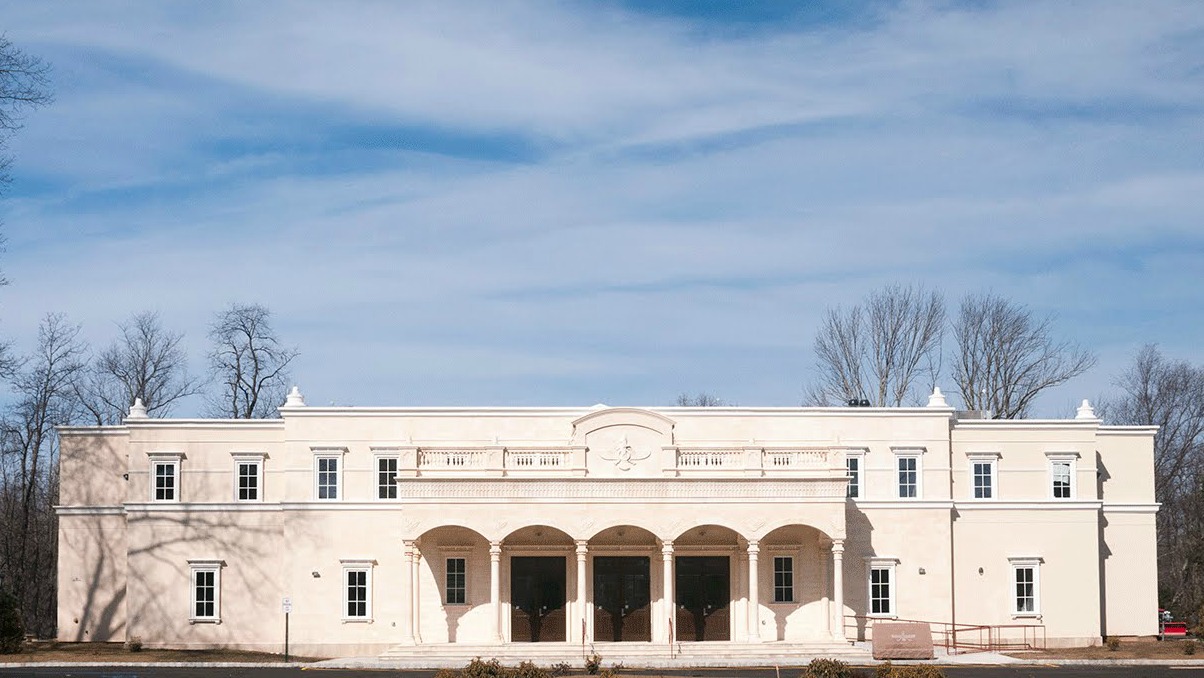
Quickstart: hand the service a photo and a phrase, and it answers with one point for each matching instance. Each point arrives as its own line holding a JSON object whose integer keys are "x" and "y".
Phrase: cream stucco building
{"x": 401, "y": 531}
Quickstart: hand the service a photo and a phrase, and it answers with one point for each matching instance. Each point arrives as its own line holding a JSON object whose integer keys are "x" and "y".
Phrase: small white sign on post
{"x": 286, "y": 604}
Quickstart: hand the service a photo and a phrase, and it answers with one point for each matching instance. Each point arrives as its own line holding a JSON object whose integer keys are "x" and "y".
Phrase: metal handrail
{"x": 957, "y": 638}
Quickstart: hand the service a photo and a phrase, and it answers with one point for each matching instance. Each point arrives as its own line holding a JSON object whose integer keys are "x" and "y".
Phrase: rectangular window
{"x": 248, "y": 480}
{"x": 357, "y": 593}
{"x": 783, "y": 579}
{"x": 456, "y": 583}
{"x": 328, "y": 477}
{"x": 386, "y": 477}
{"x": 908, "y": 477}
{"x": 1026, "y": 592}
{"x": 1026, "y": 586}
{"x": 205, "y": 599}
{"x": 853, "y": 463}
{"x": 881, "y": 596}
{"x": 984, "y": 479}
{"x": 1062, "y": 476}
{"x": 165, "y": 480}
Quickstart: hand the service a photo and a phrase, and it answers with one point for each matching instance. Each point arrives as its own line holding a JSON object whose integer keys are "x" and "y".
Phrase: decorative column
{"x": 581, "y": 552}
{"x": 495, "y": 589}
{"x": 838, "y": 587}
{"x": 754, "y": 593}
{"x": 411, "y": 558}
{"x": 826, "y": 597}
{"x": 670, "y": 605}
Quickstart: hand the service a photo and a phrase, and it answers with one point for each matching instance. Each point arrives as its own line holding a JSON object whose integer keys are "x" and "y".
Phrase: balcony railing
{"x": 533, "y": 461}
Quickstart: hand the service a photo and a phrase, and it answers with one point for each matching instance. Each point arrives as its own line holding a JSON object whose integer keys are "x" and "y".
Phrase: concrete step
{"x": 649, "y": 655}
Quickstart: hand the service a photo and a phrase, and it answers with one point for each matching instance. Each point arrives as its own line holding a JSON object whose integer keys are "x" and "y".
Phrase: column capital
{"x": 495, "y": 549}
{"x": 667, "y": 548}
{"x": 837, "y": 546}
{"x": 754, "y": 547}
{"x": 582, "y": 547}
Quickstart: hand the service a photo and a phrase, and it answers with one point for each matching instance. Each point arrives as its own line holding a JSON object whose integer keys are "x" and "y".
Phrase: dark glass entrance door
{"x": 537, "y": 599}
{"x": 622, "y": 602}
{"x": 703, "y": 598}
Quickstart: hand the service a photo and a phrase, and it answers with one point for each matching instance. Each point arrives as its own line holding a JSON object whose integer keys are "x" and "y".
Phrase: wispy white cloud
{"x": 683, "y": 207}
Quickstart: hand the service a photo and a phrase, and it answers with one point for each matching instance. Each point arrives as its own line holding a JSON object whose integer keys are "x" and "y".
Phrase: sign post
{"x": 286, "y": 604}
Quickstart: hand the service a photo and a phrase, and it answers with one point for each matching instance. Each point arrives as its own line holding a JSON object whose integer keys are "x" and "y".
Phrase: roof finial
{"x": 937, "y": 399}
{"x": 294, "y": 398}
{"x": 1085, "y": 411}
{"x": 137, "y": 410}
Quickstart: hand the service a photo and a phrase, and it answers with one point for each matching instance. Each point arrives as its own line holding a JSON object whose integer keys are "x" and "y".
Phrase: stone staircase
{"x": 631, "y": 655}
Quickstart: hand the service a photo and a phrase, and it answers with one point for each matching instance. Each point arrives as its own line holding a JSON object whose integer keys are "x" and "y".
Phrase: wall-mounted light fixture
{"x": 980, "y": 570}
{"x": 922, "y": 571}
{"x": 316, "y": 575}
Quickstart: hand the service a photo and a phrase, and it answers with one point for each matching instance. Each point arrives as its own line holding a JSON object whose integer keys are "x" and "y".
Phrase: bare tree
{"x": 1006, "y": 356}
{"x": 881, "y": 350}
{"x": 44, "y": 390}
{"x": 24, "y": 84}
{"x": 248, "y": 362}
{"x": 1169, "y": 394}
{"x": 147, "y": 363}
{"x": 701, "y": 399}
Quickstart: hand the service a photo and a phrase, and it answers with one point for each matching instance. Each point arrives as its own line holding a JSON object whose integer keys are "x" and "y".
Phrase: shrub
{"x": 561, "y": 669}
{"x": 483, "y": 669}
{"x": 134, "y": 644}
{"x": 1113, "y": 643}
{"x": 528, "y": 669}
{"x": 1189, "y": 647}
{"x": 593, "y": 664}
{"x": 12, "y": 631}
{"x": 447, "y": 673}
{"x": 828, "y": 668}
{"x": 885, "y": 670}
{"x": 606, "y": 673}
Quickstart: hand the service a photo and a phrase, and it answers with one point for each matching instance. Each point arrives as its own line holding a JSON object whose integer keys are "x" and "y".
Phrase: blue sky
{"x": 561, "y": 203}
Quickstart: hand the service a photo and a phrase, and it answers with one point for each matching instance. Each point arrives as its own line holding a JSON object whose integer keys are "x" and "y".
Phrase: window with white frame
{"x": 165, "y": 476}
{"x": 783, "y": 579}
{"x": 880, "y": 580}
{"x": 357, "y": 589}
{"x": 328, "y": 467}
{"x": 855, "y": 463}
{"x": 386, "y": 477}
{"x": 206, "y": 583}
{"x": 1026, "y": 586}
{"x": 457, "y": 582}
{"x": 983, "y": 477}
{"x": 248, "y": 477}
{"x": 909, "y": 468}
{"x": 1062, "y": 483}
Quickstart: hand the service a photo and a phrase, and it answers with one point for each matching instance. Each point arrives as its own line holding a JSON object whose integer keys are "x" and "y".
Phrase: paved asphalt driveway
{"x": 950, "y": 671}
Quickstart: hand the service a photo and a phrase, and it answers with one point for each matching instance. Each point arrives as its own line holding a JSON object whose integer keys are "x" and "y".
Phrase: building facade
{"x": 391, "y": 530}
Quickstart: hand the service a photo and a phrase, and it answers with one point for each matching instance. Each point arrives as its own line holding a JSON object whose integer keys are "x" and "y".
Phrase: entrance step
{"x": 631, "y": 655}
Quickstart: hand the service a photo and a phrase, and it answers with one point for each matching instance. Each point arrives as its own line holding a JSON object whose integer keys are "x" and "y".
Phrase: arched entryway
{"x": 537, "y": 564}
{"x": 451, "y": 605}
{"x": 704, "y": 585}
{"x": 795, "y": 575}
{"x": 622, "y": 582}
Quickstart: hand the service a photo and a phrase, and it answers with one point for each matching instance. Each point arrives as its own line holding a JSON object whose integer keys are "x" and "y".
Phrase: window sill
{"x": 1026, "y": 615}
{"x": 783, "y": 603}
{"x": 357, "y": 620}
{"x": 882, "y": 616}
{"x": 204, "y": 620}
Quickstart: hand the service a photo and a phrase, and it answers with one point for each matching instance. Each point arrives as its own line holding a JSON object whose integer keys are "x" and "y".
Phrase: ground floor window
{"x": 357, "y": 590}
{"x": 205, "y": 598}
{"x": 881, "y": 584}
{"x": 456, "y": 583}
{"x": 1025, "y": 586}
{"x": 783, "y": 579}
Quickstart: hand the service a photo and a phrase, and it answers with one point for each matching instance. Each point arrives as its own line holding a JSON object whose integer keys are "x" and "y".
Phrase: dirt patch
{"x": 47, "y": 651}
{"x": 1129, "y": 649}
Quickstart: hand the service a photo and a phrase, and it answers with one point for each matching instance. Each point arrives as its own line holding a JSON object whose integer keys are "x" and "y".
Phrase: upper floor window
{"x": 386, "y": 477}
{"x": 248, "y": 477}
{"x": 1062, "y": 483}
{"x": 854, "y": 462}
{"x": 909, "y": 473}
{"x": 328, "y": 475}
{"x": 165, "y": 476}
{"x": 783, "y": 579}
{"x": 983, "y": 475}
{"x": 205, "y": 597}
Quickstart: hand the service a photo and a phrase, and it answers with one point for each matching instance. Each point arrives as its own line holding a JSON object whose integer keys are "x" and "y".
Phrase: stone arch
{"x": 709, "y": 534}
{"x": 538, "y": 535}
{"x": 622, "y": 416}
{"x": 624, "y": 534}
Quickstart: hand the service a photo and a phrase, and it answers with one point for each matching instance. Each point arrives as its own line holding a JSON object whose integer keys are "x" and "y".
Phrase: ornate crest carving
{"x": 624, "y": 455}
